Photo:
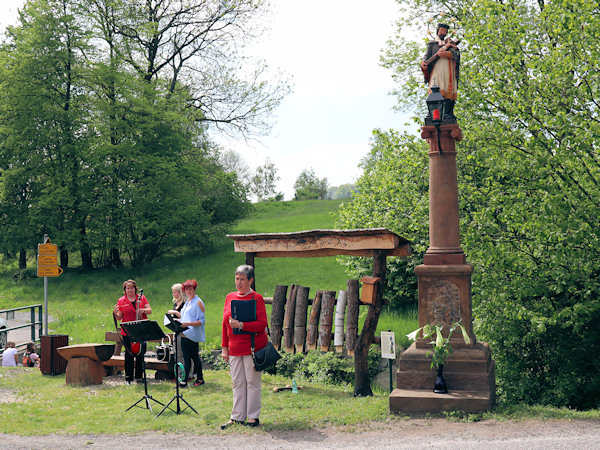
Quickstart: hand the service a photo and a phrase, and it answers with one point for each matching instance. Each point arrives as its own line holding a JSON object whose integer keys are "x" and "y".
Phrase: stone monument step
{"x": 418, "y": 401}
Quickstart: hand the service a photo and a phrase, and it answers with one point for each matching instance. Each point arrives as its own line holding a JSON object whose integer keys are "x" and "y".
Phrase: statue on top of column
{"x": 440, "y": 67}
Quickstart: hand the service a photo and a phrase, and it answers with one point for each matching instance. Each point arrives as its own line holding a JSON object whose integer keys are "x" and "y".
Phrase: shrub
{"x": 324, "y": 367}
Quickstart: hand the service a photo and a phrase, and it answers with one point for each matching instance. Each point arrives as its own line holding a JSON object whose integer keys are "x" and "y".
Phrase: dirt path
{"x": 409, "y": 434}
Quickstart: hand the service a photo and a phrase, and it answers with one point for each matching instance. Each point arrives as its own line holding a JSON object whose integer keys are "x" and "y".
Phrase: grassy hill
{"x": 81, "y": 303}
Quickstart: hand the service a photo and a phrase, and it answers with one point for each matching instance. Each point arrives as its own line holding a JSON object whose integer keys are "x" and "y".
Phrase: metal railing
{"x": 33, "y": 324}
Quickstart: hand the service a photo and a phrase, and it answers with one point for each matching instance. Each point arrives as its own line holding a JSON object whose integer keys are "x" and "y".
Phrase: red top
{"x": 239, "y": 344}
{"x": 128, "y": 309}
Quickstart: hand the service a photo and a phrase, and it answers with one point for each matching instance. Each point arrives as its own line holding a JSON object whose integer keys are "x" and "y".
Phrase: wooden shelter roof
{"x": 356, "y": 242}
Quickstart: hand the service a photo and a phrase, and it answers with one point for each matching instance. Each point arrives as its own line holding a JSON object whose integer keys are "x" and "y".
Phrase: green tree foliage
{"x": 310, "y": 187}
{"x": 263, "y": 182}
{"x": 529, "y": 173}
{"x": 104, "y": 109}
{"x": 391, "y": 193}
{"x": 341, "y": 191}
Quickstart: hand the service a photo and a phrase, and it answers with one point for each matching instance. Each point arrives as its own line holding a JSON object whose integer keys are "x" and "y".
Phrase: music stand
{"x": 141, "y": 331}
{"x": 176, "y": 328}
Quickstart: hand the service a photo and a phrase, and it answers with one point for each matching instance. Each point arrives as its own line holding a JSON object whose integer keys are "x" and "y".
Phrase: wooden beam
{"x": 387, "y": 241}
{"x": 404, "y": 250}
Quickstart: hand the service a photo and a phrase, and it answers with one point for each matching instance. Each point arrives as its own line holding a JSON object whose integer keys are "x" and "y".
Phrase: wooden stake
{"x": 300, "y": 318}
{"x": 288, "y": 321}
{"x": 353, "y": 302}
{"x": 326, "y": 321}
{"x": 277, "y": 315}
{"x": 340, "y": 312}
{"x": 313, "y": 322}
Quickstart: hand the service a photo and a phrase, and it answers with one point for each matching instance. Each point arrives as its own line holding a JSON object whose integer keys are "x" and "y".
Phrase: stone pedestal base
{"x": 469, "y": 374}
{"x": 84, "y": 371}
{"x": 445, "y": 298}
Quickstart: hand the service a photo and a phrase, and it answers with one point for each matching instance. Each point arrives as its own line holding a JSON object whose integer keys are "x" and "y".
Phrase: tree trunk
{"x": 288, "y": 321}
{"x": 326, "y": 321}
{"x": 22, "y": 259}
{"x": 115, "y": 258}
{"x": 64, "y": 258}
{"x": 277, "y": 312}
{"x": 313, "y": 322}
{"x": 300, "y": 318}
{"x": 352, "y": 304}
{"x": 362, "y": 383}
{"x": 250, "y": 262}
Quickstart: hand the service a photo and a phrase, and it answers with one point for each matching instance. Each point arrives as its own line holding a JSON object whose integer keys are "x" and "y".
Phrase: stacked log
{"x": 340, "y": 312}
{"x": 300, "y": 318}
{"x": 277, "y": 315}
{"x": 326, "y": 320}
{"x": 288, "y": 321}
{"x": 313, "y": 322}
{"x": 353, "y": 302}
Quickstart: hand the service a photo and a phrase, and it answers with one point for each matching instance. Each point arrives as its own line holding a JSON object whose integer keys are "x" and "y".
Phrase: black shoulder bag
{"x": 265, "y": 357}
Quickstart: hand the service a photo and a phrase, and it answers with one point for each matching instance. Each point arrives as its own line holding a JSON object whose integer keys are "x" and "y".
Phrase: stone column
{"x": 444, "y": 233}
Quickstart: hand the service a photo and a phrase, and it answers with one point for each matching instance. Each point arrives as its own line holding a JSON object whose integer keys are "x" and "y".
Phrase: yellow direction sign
{"x": 48, "y": 260}
{"x": 47, "y": 249}
{"x": 49, "y": 271}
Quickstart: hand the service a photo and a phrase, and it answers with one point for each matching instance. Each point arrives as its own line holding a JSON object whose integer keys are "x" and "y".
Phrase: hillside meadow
{"x": 80, "y": 303}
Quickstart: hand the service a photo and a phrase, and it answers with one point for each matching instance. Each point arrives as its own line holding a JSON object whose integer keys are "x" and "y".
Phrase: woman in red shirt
{"x": 128, "y": 308}
{"x": 235, "y": 348}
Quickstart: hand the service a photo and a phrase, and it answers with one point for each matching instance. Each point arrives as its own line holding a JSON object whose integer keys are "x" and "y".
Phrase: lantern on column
{"x": 435, "y": 105}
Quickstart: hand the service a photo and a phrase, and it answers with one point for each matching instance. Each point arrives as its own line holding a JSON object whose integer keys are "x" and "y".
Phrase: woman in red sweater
{"x": 235, "y": 348}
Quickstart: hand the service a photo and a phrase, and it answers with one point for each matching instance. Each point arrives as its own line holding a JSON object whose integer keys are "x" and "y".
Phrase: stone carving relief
{"x": 443, "y": 304}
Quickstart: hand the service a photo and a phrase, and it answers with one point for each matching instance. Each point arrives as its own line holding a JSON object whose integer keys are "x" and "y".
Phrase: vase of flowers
{"x": 441, "y": 349}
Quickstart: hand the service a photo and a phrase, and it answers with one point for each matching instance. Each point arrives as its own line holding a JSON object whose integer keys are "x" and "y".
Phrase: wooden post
{"x": 362, "y": 383}
{"x": 300, "y": 318}
{"x": 326, "y": 321}
{"x": 353, "y": 302}
{"x": 288, "y": 321}
{"x": 250, "y": 262}
{"x": 277, "y": 315}
{"x": 340, "y": 312}
{"x": 313, "y": 322}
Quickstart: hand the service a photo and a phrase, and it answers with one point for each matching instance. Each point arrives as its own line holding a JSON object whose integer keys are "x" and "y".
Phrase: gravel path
{"x": 409, "y": 434}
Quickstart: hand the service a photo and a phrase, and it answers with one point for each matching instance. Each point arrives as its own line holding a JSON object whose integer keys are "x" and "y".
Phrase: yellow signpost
{"x": 48, "y": 260}
{"x": 47, "y": 266}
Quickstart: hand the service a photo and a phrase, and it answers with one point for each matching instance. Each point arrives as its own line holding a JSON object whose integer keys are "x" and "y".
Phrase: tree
{"x": 529, "y": 184}
{"x": 263, "y": 182}
{"x": 194, "y": 48}
{"x": 309, "y": 187}
{"x": 104, "y": 111}
{"x": 341, "y": 191}
{"x": 43, "y": 117}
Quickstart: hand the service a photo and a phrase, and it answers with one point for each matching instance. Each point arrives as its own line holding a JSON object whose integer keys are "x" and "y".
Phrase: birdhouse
{"x": 369, "y": 289}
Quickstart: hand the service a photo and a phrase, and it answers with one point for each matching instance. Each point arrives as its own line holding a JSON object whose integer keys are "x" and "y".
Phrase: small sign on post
{"x": 47, "y": 266}
{"x": 388, "y": 351}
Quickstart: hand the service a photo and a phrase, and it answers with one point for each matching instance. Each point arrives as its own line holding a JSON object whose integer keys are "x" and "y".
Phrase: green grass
{"x": 37, "y": 404}
{"x": 44, "y": 405}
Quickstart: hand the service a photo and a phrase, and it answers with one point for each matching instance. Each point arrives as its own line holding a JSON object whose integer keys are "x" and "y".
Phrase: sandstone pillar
{"x": 444, "y": 282}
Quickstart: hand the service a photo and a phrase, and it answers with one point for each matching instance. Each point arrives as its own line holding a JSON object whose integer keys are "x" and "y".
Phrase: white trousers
{"x": 247, "y": 388}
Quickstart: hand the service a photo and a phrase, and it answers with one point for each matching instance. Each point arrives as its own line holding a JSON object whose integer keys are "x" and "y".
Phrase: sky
{"x": 330, "y": 51}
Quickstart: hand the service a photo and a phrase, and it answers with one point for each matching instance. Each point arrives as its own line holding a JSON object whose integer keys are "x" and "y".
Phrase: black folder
{"x": 244, "y": 311}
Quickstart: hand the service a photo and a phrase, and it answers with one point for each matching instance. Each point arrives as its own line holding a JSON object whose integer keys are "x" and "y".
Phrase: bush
{"x": 324, "y": 367}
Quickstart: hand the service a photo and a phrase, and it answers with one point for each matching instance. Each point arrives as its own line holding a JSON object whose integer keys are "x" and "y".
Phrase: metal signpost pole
{"x": 45, "y": 296}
